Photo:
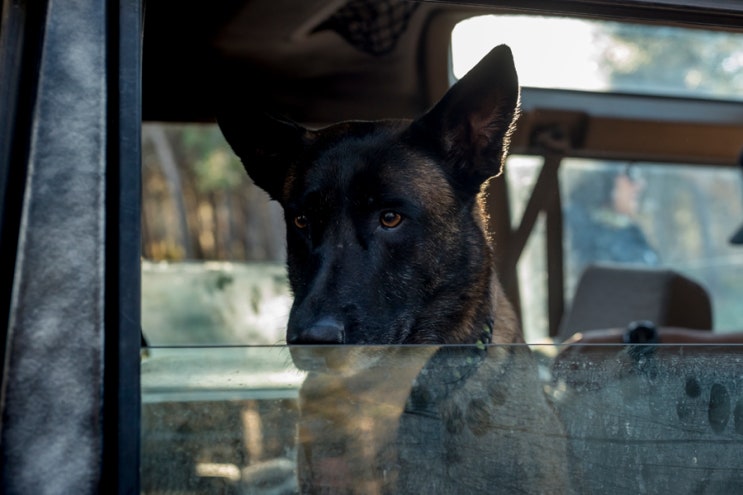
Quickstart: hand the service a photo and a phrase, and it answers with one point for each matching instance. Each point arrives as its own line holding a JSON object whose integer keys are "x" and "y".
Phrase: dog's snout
{"x": 326, "y": 330}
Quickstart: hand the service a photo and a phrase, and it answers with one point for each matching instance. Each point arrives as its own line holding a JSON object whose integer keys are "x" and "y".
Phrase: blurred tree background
{"x": 687, "y": 210}
{"x": 688, "y": 213}
{"x": 198, "y": 202}
{"x": 671, "y": 61}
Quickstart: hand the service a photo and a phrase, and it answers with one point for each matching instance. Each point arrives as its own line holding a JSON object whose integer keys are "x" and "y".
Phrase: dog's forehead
{"x": 361, "y": 159}
{"x": 348, "y": 148}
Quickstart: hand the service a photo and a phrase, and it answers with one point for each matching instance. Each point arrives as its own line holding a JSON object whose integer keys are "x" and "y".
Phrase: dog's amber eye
{"x": 390, "y": 219}
{"x": 301, "y": 222}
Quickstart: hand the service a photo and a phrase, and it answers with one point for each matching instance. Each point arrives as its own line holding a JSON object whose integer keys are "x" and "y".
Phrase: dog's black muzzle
{"x": 325, "y": 331}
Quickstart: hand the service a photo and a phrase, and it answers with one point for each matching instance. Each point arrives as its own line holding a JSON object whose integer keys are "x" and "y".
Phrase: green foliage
{"x": 214, "y": 166}
{"x": 670, "y": 60}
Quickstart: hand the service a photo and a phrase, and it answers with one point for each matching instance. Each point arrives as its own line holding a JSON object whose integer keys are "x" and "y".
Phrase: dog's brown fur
{"x": 387, "y": 245}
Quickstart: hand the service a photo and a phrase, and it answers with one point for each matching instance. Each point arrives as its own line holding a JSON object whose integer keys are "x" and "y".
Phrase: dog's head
{"x": 384, "y": 237}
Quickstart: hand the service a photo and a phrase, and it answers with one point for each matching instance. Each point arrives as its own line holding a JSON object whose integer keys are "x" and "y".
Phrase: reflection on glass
{"x": 654, "y": 418}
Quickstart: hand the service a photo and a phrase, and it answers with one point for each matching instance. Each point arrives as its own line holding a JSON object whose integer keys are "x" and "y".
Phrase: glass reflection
{"x": 580, "y": 418}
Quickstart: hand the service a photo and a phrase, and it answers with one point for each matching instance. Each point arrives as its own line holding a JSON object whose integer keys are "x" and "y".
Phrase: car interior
{"x": 617, "y": 225}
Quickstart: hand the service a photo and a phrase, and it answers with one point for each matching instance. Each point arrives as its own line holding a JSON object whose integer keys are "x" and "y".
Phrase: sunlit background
{"x": 539, "y": 46}
{"x": 554, "y": 52}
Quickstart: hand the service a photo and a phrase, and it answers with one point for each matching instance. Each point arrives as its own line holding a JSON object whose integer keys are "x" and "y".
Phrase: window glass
{"x": 227, "y": 420}
{"x": 607, "y": 56}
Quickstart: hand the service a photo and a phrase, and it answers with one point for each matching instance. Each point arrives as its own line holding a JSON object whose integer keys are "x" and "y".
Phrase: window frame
{"x": 33, "y": 89}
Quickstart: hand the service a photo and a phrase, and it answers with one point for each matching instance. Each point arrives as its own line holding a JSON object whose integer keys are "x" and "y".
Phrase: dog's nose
{"x": 326, "y": 330}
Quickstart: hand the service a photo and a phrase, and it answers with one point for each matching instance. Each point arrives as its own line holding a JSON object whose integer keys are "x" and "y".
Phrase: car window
{"x": 227, "y": 420}
{"x": 607, "y": 56}
{"x": 664, "y": 216}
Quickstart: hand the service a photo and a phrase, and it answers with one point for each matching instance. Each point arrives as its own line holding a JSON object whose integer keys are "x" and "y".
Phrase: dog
{"x": 386, "y": 244}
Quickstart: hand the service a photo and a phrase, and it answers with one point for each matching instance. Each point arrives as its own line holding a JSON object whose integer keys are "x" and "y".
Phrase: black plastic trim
{"x": 122, "y": 398}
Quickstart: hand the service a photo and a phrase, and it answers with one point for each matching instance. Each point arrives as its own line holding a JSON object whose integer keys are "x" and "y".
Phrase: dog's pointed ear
{"x": 267, "y": 146}
{"x": 474, "y": 120}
